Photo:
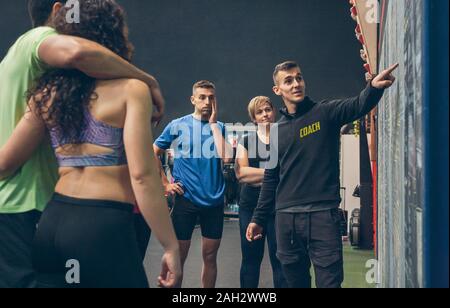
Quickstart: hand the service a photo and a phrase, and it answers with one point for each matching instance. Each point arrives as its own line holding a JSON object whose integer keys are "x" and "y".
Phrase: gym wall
{"x": 401, "y": 148}
{"x": 235, "y": 43}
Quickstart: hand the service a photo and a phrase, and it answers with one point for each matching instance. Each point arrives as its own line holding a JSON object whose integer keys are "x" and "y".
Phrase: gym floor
{"x": 229, "y": 261}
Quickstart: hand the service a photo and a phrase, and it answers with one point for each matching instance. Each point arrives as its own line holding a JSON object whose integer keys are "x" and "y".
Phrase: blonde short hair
{"x": 255, "y": 103}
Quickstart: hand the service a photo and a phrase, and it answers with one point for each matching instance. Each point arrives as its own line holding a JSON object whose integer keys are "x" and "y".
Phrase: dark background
{"x": 234, "y": 43}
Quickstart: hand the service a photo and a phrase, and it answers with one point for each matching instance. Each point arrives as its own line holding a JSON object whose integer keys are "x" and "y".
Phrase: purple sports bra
{"x": 95, "y": 133}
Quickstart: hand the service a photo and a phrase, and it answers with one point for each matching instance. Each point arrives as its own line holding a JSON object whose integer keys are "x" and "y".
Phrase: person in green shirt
{"x": 24, "y": 193}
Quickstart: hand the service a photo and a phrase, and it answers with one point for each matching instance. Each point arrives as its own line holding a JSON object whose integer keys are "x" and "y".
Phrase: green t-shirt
{"x": 33, "y": 184}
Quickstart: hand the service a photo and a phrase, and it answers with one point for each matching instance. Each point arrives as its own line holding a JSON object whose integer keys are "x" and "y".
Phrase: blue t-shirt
{"x": 197, "y": 165}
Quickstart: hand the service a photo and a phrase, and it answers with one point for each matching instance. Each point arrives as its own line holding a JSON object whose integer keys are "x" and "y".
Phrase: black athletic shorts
{"x": 87, "y": 244}
{"x": 185, "y": 215}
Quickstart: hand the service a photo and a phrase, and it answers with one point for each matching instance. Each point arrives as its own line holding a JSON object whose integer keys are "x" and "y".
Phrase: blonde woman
{"x": 250, "y": 173}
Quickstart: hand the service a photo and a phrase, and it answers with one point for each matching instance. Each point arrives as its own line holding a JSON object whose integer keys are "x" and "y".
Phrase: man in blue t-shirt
{"x": 199, "y": 148}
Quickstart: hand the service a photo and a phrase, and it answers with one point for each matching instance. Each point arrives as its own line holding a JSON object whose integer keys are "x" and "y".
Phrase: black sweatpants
{"x": 16, "y": 237}
{"x": 314, "y": 237}
{"x": 98, "y": 235}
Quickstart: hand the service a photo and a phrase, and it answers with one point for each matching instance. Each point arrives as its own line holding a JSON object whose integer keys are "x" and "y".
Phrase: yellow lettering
{"x": 309, "y": 130}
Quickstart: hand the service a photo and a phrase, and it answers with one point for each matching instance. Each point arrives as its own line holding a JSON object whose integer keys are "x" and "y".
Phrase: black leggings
{"x": 97, "y": 237}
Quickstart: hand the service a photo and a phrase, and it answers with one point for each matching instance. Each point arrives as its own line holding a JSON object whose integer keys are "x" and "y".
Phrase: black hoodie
{"x": 308, "y": 153}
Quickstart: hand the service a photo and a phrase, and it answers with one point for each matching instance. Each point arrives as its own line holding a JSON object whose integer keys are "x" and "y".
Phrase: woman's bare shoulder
{"x": 123, "y": 83}
{"x": 124, "y": 86}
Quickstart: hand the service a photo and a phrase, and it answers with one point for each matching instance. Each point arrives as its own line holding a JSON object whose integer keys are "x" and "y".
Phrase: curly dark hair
{"x": 71, "y": 91}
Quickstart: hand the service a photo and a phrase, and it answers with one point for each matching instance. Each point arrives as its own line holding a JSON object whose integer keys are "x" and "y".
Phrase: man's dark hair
{"x": 284, "y": 67}
{"x": 40, "y": 11}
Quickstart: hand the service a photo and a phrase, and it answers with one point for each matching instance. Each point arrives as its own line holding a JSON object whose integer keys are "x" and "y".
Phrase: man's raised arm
{"x": 96, "y": 61}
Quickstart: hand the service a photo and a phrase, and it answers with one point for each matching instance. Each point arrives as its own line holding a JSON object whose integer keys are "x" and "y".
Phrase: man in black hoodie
{"x": 304, "y": 187}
